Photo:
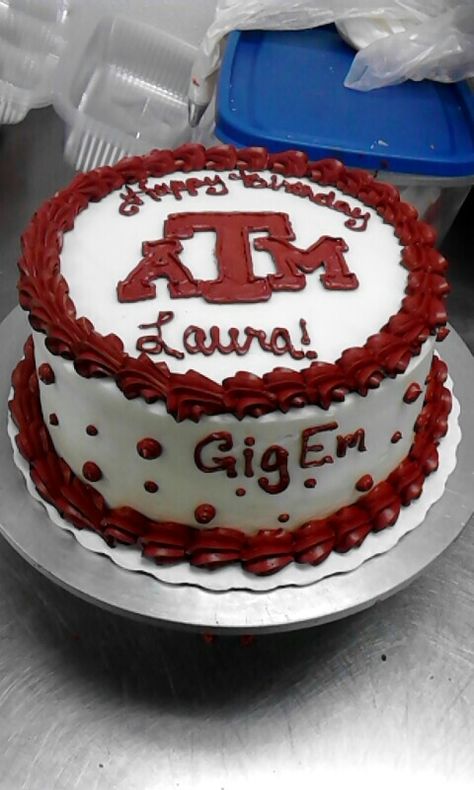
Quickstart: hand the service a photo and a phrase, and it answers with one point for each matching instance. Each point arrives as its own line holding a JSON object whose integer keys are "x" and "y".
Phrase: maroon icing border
{"x": 43, "y": 292}
{"x": 263, "y": 553}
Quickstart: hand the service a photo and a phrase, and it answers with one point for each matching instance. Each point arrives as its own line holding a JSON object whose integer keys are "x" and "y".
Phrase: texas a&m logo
{"x": 236, "y": 280}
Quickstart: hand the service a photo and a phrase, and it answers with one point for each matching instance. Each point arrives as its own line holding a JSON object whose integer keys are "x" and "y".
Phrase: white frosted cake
{"x": 232, "y": 356}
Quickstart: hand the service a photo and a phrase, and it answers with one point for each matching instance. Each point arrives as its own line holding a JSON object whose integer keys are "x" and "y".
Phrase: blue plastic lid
{"x": 286, "y": 90}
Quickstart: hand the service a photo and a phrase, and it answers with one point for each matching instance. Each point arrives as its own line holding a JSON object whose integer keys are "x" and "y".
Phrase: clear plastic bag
{"x": 121, "y": 85}
{"x": 439, "y": 48}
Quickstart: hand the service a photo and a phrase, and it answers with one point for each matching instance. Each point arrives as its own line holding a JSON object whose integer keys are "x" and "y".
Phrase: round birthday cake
{"x": 232, "y": 356}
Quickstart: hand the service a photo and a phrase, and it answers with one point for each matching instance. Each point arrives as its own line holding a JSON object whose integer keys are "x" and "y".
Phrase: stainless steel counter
{"x": 91, "y": 700}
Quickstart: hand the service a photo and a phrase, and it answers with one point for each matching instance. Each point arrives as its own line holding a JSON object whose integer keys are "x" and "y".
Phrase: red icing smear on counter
{"x": 149, "y": 448}
{"x": 44, "y": 293}
{"x": 263, "y": 553}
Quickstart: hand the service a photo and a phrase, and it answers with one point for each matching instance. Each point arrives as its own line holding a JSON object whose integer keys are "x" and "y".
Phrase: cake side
{"x": 251, "y": 473}
{"x": 230, "y": 270}
{"x": 264, "y": 552}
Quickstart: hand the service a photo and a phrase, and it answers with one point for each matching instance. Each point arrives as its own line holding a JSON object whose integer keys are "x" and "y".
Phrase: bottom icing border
{"x": 348, "y": 530}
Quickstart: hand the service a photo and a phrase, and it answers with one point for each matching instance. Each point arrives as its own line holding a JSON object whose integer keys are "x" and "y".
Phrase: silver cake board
{"x": 24, "y": 523}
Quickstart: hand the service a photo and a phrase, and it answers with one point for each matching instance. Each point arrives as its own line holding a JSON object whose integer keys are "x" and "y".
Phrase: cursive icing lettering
{"x": 131, "y": 200}
{"x": 357, "y": 221}
{"x": 307, "y": 449}
{"x": 223, "y": 442}
{"x": 155, "y": 344}
{"x": 197, "y": 341}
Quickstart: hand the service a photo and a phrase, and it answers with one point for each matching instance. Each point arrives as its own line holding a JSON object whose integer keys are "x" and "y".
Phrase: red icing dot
{"x": 283, "y": 518}
{"x": 91, "y": 471}
{"x": 91, "y": 430}
{"x": 249, "y": 441}
{"x": 365, "y": 483}
{"x": 53, "y": 419}
{"x": 151, "y": 486}
{"x": 46, "y": 373}
{"x": 311, "y": 355}
{"x": 310, "y": 482}
{"x": 413, "y": 393}
{"x": 396, "y": 437}
{"x": 204, "y": 513}
{"x": 240, "y": 492}
{"x": 149, "y": 448}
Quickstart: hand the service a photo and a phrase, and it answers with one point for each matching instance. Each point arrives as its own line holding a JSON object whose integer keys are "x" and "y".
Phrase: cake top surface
{"x": 210, "y": 233}
{"x": 226, "y": 280}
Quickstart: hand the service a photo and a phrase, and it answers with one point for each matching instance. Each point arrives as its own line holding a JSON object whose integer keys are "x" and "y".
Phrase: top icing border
{"x": 44, "y": 293}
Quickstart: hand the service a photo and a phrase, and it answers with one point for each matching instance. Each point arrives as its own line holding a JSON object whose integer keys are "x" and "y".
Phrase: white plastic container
{"x": 122, "y": 85}
{"x": 32, "y": 37}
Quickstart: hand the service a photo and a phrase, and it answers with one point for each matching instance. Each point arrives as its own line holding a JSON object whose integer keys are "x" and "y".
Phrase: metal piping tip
{"x": 195, "y": 112}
